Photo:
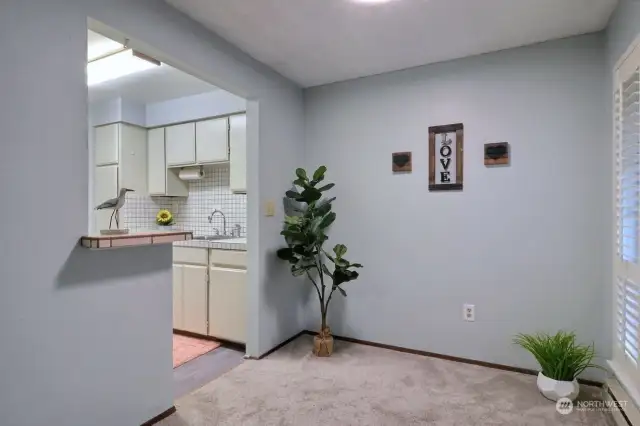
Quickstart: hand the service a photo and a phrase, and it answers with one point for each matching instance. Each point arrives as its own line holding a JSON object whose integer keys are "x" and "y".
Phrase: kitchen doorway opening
{"x": 180, "y": 144}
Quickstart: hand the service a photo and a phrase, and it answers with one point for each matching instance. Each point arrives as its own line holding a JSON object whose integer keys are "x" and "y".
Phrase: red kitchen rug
{"x": 187, "y": 348}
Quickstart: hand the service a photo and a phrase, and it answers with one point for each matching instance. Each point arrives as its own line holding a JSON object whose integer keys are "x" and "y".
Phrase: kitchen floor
{"x": 187, "y": 348}
{"x": 196, "y": 373}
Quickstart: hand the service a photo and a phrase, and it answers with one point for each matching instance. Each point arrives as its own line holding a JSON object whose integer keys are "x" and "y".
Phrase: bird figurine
{"x": 115, "y": 204}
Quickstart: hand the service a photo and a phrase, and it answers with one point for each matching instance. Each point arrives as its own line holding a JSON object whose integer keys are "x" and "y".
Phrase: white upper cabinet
{"x": 123, "y": 145}
{"x": 212, "y": 141}
{"x": 132, "y": 162}
{"x": 120, "y": 162}
{"x": 181, "y": 144}
{"x": 157, "y": 162}
{"x": 106, "y": 144}
{"x": 238, "y": 147}
{"x": 162, "y": 181}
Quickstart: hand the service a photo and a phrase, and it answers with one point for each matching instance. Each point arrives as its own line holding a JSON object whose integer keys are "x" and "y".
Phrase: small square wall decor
{"x": 496, "y": 154}
{"x": 401, "y": 162}
{"x": 446, "y": 161}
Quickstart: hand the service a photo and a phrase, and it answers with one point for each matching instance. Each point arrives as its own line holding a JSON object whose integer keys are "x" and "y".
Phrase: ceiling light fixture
{"x": 99, "y": 46}
{"x": 118, "y": 64}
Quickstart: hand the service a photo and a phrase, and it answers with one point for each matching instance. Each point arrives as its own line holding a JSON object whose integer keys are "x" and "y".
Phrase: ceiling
{"x": 314, "y": 42}
{"x": 153, "y": 85}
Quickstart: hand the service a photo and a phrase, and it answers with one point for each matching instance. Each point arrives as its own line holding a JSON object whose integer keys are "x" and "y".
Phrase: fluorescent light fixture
{"x": 99, "y": 46}
{"x": 118, "y": 65}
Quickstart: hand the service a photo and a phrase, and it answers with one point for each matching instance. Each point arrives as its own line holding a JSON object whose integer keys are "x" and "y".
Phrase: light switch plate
{"x": 270, "y": 208}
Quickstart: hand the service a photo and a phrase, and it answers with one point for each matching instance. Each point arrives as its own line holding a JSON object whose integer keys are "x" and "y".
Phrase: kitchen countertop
{"x": 239, "y": 244}
{"x": 132, "y": 239}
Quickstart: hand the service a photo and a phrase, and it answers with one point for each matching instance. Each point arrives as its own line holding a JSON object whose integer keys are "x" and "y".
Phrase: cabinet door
{"x": 157, "y": 165}
{"x": 228, "y": 304}
{"x": 212, "y": 141}
{"x": 194, "y": 296}
{"x": 106, "y": 144}
{"x": 178, "y": 310}
{"x": 105, "y": 187}
{"x": 132, "y": 164}
{"x": 238, "y": 159}
{"x": 181, "y": 144}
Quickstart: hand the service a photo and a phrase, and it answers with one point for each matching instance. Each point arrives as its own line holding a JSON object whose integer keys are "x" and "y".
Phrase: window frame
{"x": 626, "y": 371}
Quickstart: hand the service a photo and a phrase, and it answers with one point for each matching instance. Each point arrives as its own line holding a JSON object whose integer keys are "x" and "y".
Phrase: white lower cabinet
{"x": 210, "y": 302}
{"x": 190, "y": 298}
{"x": 178, "y": 309}
{"x": 228, "y": 304}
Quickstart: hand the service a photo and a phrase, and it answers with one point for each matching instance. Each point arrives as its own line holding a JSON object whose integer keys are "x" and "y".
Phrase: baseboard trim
{"x": 160, "y": 417}
{"x": 223, "y": 343}
{"x": 447, "y": 357}
{"x": 286, "y": 342}
{"x": 627, "y": 413}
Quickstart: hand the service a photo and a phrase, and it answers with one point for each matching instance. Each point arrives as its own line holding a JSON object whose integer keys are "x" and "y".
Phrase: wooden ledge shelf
{"x": 101, "y": 242}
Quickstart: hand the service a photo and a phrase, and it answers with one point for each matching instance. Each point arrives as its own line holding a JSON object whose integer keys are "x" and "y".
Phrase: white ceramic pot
{"x": 554, "y": 389}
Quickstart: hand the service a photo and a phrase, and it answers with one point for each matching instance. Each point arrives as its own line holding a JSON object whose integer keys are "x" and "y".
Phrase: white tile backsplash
{"x": 191, "y": 213}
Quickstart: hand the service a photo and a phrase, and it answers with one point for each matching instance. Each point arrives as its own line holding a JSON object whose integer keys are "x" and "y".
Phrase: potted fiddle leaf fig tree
{"x": 308, "y": 217}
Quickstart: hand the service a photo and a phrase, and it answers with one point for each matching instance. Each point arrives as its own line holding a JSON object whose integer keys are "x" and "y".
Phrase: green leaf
{"x": 324, "y": 206}
{"x": 323, "y": 210}
{"x": 293, "y": 234}
{"x": 559, "y": 356}
{"x": 293, "y": 194}
{"x": 314, "y": 182}
{"x": 341, "y": 262}
{"x": 299, "y": 182}
{"x": 310, "y": 195}
{"x": 341, "y": 290}
{"x": 326, "y": 187}
{"x": 356, "y": 265}
{"x": 286, "y": 254}
{"x": 302, "y": 174}
{"x": 292, "y": 220}
{"x": 340, "y": 250}
{"x": 327, "y": 220}
{"x": 297, "y": 271}
{"x": 326, "y": 270}
{"x": 319, "y": 173}
{"x": 299, "y": 249}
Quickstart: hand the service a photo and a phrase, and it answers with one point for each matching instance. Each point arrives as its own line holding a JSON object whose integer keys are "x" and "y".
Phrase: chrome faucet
{"x": 224, "y": 220}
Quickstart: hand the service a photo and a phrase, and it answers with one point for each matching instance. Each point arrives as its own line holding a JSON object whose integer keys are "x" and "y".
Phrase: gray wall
{"x": 623, "y": 28}
{"x": 523, "y": 243}
{"x": 83, "y": 343}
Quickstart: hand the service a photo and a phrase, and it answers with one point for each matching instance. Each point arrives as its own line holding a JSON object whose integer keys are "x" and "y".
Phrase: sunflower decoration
{"x": 164, "y": 218}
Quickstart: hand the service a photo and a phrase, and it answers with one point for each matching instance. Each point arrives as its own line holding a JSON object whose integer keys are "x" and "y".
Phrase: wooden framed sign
{"x": 446, "y": 162}
{"x": 401, "y": 162}
{"x": 496, "y": 154}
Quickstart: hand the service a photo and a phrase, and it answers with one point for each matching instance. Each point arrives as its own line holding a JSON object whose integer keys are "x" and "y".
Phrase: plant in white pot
{"x": 561, "y": 361}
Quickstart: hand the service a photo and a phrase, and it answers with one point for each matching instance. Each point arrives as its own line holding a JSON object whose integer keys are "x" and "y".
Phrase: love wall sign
{"x": 445, "y": 157}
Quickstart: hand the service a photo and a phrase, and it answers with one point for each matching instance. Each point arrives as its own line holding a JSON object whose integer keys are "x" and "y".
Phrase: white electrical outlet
{"x": 469, "y": 312}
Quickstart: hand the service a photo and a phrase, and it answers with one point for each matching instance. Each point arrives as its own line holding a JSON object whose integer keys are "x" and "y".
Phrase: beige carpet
{"x": 361, "y": 385}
